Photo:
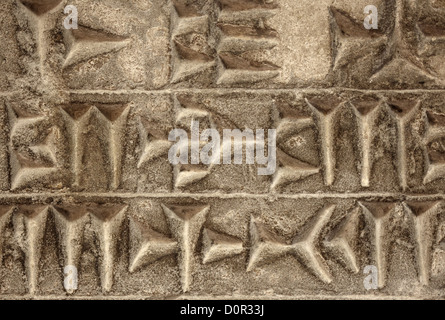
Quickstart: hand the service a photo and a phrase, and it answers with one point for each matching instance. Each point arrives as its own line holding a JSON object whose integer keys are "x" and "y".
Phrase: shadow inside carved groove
{"x": 246, "y": 31}
{"x": 40, "y": 7}
{"x": 240, "y": 5}
{"x": 435, "y": 119}
{"x": 106, "y": 212}
{"x": 436, "y": 151}
{"x": 432, "y": 29}
{"x": 76, "y": 111}
{"x": 186, "y": 8}
{"x": 402, "y": 107}
{"x": 88, "y": 34}
{"x": 185, "y": 212}
{"x": 325, "y": 106}
{"x": 71, "y": 212}
{"x": 350, "y": 27}
{"x": 232, "y": 61}
{"x": 111, "y": 111}
{"x": 364, "y": 107}
{"x": 191, "y": 54}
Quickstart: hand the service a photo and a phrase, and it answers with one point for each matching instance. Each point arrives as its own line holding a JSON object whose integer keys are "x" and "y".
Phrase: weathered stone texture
{"x": 86, "y": 181}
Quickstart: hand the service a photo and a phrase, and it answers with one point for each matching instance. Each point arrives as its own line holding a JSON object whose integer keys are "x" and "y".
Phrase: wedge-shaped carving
{"x": 185, "y": 224}
{"x": 346, "y": 32}
{"x": 236, "y": 36}
{"x": 423, "y": 215}
{"x": 378, "y": 217}
{"x": 86, "y": 43}
{"x": 305, "y": 244}
{"x": 403, "y": 111}
{"x": 241, "y": 5}
{"x": 342, "y": 242}
{"x": 107, "y": 220}
{"x": 349, "y": 27}
{"x": 70, "y": 223}
{"x": 186, "y": 174}
{"x": 290, "y": 123}
{"x": 291, "y": 170}
{"x": 266, "y": 247}
{"x": 399, "y": 56}
{"x": 366, "y": 111}
{"x": 236, "y": 68}
{"x": 151, "y": 245}
{"x": 218, "y": 246}
{"x": 434, "y": 150}
{"x": 40, "y": 7}
{"x": 188, "y": 111}
{"x": 325, "y": 112}
{"x": 431, "y": 30}
{"x": 191, "y": 52}
{"x": 37, "y": 157}
{"x": 29, "y": 229}
{"x": 97, "y": 132}
{"x": 241, "y": 38}
{"x": 186, "y": 9}
{"x": 154, "y": 142}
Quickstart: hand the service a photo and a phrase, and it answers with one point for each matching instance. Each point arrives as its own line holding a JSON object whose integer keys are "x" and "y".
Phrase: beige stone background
{"x": 85, "y": 178}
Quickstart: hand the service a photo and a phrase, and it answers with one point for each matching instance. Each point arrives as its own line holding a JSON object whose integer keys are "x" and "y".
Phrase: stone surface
{"x": 85, "y": 178}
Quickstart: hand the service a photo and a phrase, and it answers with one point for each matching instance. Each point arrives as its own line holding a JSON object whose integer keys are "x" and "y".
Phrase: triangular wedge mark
{"x": 107, "y": 220}
{"x": 76, "y": 111}
{"x": 242, "y": 5}
{"x": 324, "y": 106}
{"x": 365, "y": 107}
{"x": 305, "y": 245}
{"x": 232, "y": 61}
{"x": 152, "y": 247}
{"x": 70, "y": 223}
{"x": 105, "y": 212}
{"x": 422, "y": 214}
{"x": 378, "y": 214}
{"x": 378, "y": 209}
{"x": 265, "y": 246}
{"x": 291, "y": 170}
{"x": 217, "y": 246}
{"x": 85, "y": 43}
{"x": 185, "y": 223}
{"x": 350, "y": 27}
{"x": 32, "y": 220}
{"x": 401, "y": 108}
{"x": 419, "y": 208}
{"x": 186, "y": 175}
{"x": 111, "y": 111}
{"x": 341, "y": 241}
{"x": 190, "y": 54}
{"x": 40, "y": 7}
{"x": 406, "y": 71}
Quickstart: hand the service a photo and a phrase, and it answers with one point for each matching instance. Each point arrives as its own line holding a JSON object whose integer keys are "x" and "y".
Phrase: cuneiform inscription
{"x": 94, "y": 137}
{"x": 319, "y": 239}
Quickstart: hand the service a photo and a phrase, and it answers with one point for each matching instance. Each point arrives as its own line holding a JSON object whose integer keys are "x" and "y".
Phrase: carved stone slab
{"x": 91, "y": 205}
